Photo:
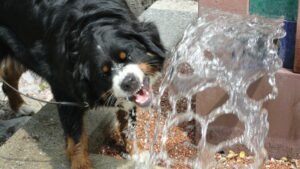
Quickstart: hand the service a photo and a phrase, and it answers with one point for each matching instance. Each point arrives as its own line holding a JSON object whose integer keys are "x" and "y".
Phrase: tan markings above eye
{"x": 150, "y": 54}
{"x": 105, "y": 69}
{"x": 147, "y": 69}
{"x": 122, "y": 55}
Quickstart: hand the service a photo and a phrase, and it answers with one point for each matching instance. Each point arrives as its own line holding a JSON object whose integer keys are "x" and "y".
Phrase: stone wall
{"x": 138, "y": 6}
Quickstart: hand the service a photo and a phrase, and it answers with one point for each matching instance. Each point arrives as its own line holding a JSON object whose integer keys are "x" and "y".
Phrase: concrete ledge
{"x": 40, "y": 144}
{"x": 171, "y": 18}
{"x": 284, "y": 114}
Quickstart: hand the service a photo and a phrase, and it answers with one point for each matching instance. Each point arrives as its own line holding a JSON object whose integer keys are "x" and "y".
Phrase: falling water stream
{"x": 227, "y": 51}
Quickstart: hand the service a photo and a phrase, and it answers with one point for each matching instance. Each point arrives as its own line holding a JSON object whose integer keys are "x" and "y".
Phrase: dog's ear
{"x": 149, "y": 36}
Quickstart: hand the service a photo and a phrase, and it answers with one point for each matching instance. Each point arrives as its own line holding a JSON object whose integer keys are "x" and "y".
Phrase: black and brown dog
{"x": 92, "y": 51}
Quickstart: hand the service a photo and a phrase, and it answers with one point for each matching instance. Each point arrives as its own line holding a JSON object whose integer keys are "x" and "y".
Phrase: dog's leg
{"x": 119, "y": 131}
{"x": 76, "y": 138}
{"x": 123, "y": 119}
{"x": 11, "y": 70}
{"x": 32, "y": 59}
{"x": 11, "y": 73}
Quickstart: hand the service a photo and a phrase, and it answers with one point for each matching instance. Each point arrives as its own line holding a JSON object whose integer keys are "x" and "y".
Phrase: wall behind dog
{"x": 288, "y": 9}
{"x": 138, "y": 6}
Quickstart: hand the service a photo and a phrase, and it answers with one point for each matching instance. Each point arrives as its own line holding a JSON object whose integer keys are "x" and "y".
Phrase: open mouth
{"x": 143, "y": 96}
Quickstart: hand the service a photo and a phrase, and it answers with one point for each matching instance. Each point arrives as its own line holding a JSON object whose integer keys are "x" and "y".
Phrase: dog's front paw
{"x": 78, "y": 154}
{"x": 81, "y": 164}
{"x": 25, "y": 110}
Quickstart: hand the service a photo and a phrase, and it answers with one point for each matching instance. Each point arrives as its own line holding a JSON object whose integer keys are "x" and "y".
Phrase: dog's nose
{"x": 130, "y": 83}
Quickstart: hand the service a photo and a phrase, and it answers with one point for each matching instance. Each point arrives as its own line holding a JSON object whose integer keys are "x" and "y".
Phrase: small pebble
{"x": 222, "y": 159}
{"x": 295, "y": 162}
{"x": 284, "y": 159}
{"x": 231, "y": 154}
{"x": 242, "y": 154}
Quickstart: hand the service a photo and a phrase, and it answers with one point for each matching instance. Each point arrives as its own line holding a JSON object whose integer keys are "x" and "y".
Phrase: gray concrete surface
{"x": 139, "y": 6}
{"x": 8, "y": 127}
{"x": 171, "y": 17}
{"x": 40, "y": 144}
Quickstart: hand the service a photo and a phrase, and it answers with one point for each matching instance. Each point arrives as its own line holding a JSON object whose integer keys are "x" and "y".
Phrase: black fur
{"x": 58, "y": 40}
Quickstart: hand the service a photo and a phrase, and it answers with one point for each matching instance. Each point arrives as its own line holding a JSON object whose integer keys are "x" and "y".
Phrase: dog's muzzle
{"x": 142, "y": 95}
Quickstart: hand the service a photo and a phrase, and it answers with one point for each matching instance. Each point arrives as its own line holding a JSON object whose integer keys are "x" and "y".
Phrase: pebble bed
{"x": 182, "y": 136}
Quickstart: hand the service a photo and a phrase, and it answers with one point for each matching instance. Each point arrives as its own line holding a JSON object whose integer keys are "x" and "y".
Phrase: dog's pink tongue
{"x": 143, "y": 97}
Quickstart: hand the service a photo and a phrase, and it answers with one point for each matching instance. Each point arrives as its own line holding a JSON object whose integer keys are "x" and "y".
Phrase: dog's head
{"x": 119, "y": 61}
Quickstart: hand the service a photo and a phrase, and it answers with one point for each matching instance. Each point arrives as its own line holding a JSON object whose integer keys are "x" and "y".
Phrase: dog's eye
{"x": 105, "y": 69}
{"x": 122, "y": 56}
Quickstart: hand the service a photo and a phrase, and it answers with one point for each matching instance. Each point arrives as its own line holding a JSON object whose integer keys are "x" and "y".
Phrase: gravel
{"x": 182, "y": 138}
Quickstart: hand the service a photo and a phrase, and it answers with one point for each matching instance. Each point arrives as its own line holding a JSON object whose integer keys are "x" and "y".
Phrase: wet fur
{"x": 58, "y": 40}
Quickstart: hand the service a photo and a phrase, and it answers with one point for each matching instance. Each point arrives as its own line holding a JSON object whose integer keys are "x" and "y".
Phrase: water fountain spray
{"x": 227, "y": 51}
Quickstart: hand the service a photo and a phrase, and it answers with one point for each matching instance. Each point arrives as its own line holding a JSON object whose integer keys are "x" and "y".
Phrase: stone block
{"x": 171, "y": 17}
{"x": 283, "y": 114}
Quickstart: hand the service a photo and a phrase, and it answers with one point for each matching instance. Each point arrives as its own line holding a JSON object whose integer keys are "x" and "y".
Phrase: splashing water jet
{"x": 227, "y": 51}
